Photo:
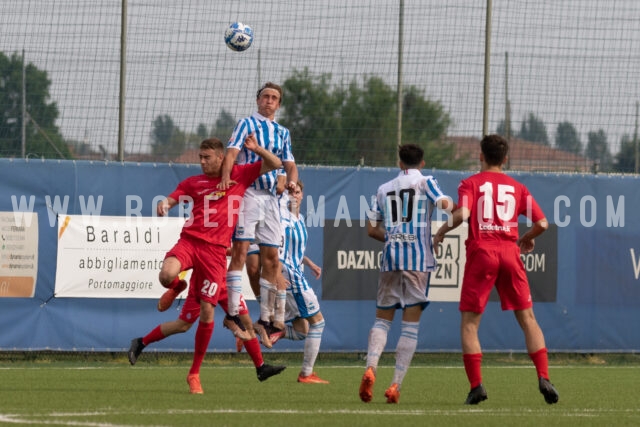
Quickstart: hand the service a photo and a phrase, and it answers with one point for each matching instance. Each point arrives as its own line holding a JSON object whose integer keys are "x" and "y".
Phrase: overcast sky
{"x": 574, "y": 60}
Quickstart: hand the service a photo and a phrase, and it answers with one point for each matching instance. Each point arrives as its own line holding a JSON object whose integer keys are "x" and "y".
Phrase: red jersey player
{"x": 491, "y": 202}
{"x": 202, "y": 247}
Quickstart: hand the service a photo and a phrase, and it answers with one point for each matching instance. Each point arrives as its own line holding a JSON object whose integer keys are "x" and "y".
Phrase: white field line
{"x": 181, "y": 367}
{"x": 55, "y": 418}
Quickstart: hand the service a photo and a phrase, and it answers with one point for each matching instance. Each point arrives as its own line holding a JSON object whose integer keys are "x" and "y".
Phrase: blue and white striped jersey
{"x": 294, "y": 239}
{"x": 270, "y": 135}
{"x": 405, "y": 205}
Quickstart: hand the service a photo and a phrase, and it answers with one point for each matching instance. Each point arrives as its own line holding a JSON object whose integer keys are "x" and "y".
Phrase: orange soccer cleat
{"x": 194, "y": 384}
{"x": 366, "y": 385}
{"x": 311, "y": 379}
{"x": 392, "y": 394}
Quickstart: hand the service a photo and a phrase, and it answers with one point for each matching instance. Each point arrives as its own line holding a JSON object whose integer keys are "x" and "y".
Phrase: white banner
{"x": 113, "y": 257}
{"x": 116, "y": 257}
{"x": 19, "y": 248}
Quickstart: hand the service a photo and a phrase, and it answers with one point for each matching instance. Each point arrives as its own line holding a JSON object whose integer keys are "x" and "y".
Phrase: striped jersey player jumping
{"x": 259, "y": 220}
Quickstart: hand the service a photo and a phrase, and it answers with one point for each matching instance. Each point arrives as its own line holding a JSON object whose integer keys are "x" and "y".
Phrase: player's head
{"x": 295, "y": 196}
{"x": 212, "y": 144}
{"x": 494, "y": 149}
{"x": 411, "y": 156}
{"x": 269, "y": 85}
{"x": 268, "y": 99}
{"x": 211, "y": 155}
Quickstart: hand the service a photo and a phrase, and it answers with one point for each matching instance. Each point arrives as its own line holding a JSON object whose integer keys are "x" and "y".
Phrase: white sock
{"x": 405, "y": 350}
{"x": 291, "y": 334}
{"x": 234, "y": 291}
{"x": 377, "y": 341}
{"x": 281, "y": 301}
{"x": 267, "y": 289}
{"x": 312, "y": 347}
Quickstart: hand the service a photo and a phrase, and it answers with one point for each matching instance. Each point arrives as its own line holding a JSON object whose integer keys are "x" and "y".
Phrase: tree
{"x": 625, "y": 160}
{"x": 202, "y": 131}
{"x": 533, "y": 130}
{"x": 336, "y": 126}
{"x": 567, "y": 138}
{"x": 598, "y": 150}
{"x": 224, "y": 125}
{"x": 42, "y": 136}
{"x": 311, "y": 110}
{"x": 502, "y": 130}
{"x": 368, "y": 122}
{"x": 167, "y": 140}
{"x": 424, "y": 122}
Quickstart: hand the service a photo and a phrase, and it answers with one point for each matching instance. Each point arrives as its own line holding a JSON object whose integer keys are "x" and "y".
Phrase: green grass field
{"x": 106, "y": 391}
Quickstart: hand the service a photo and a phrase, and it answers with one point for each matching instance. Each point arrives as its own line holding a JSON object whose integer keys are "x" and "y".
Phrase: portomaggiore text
{"x": 120, "y": 285}
{"x": 118, "y": 263}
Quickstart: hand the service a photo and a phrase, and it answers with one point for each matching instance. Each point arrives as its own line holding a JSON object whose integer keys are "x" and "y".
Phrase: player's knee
{"x": 184, "y": 327}
{"x": 165, "y": 278}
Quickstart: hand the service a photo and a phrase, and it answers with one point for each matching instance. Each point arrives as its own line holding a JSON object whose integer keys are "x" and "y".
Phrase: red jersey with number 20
{"x": 214, "y": 213}
{"x": 496, "y": 201}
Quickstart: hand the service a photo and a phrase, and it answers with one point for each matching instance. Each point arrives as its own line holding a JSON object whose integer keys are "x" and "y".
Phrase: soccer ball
{"x": 238, "y": 37}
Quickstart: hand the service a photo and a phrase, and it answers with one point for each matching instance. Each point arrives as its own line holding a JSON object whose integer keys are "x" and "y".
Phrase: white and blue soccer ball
{"x": 238, "y": 37}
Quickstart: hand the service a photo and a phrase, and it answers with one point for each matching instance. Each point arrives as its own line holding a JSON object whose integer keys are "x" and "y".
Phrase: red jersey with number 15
{"x": 496, "y": 201}
{"x": 214, "y": 213}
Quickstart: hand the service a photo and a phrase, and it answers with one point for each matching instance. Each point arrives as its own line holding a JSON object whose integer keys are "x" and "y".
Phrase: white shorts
{"x": 259, "y": 219}
{"x": 301, "y": 300}
{"x": 254, "y": 249}
{"x": 401, "y": 289}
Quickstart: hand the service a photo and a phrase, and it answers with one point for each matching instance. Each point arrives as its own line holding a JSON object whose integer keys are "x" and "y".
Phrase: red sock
{"x": 173, "y": 283}
{"x": 541, "y": 360}
{"x": 203, "y": 336}
{"x": 473, "y": 368}
{"x": 153, "y": 336}
{"x": 253, "y": 348}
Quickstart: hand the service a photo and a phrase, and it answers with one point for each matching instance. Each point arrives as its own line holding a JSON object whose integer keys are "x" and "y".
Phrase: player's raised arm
{"x": 227, "y": 164}
{"x": 281, "y": 183}
{"x": 446, "y": 204}
{"x": 269, "y": 160}
{"x": 164, "y": 205}
{"x": 456, "y": 218}
{"x": 292, "y": 175}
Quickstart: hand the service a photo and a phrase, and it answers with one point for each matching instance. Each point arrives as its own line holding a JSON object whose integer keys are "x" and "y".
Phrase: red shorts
{"x": 498, "y": 265}
{"x": 208, "y": 278}
{"x": 191, "y": 308}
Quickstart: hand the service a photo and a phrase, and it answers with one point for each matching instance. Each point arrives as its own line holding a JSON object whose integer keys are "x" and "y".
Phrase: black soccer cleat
{"x": 267, "y": 371}
{"x": 135, "y": 349}
{"x": 476, "y": 395}
{"x": 549, "y": 392}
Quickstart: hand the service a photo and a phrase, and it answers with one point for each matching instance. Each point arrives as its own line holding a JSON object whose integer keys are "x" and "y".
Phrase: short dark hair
{"x": 270, "y": 85}
{"x": 410, "y": 154}
{"x": 212, "y": 144}
{"x": 495, "y": 149}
